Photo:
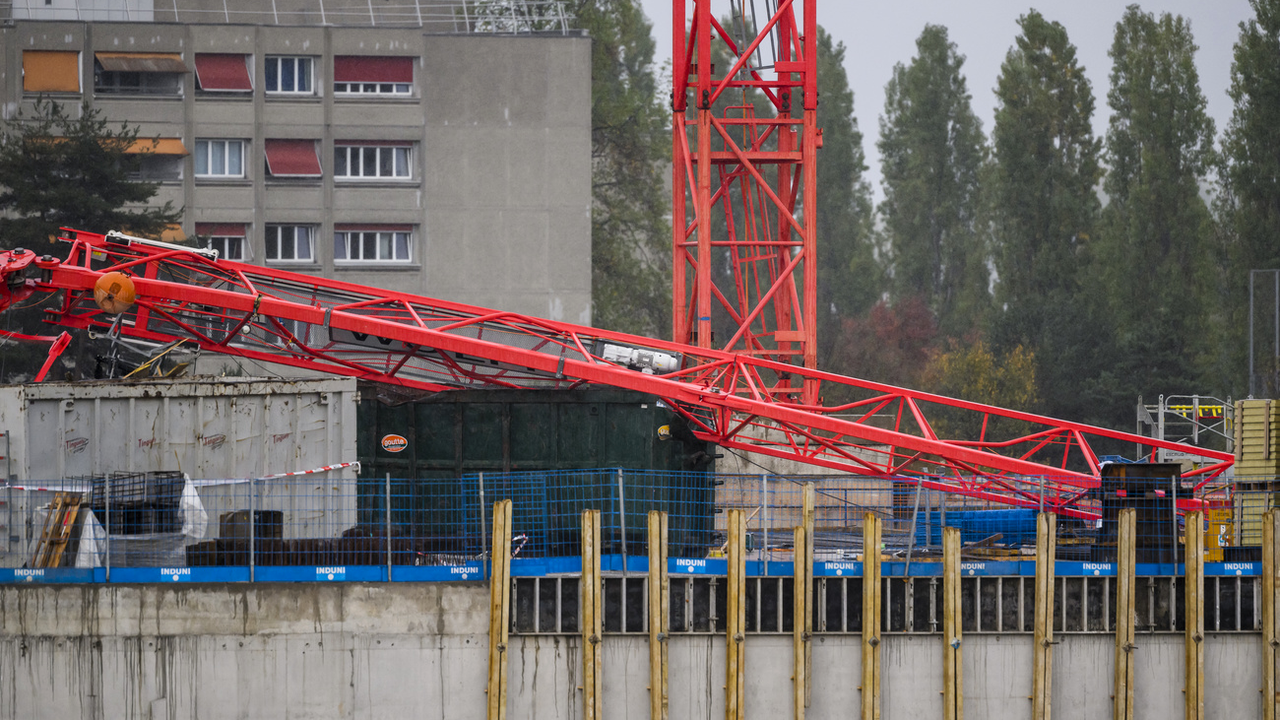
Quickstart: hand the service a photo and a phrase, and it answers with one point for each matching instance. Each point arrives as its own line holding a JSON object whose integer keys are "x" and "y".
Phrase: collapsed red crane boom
{"x": 734, "y": 400}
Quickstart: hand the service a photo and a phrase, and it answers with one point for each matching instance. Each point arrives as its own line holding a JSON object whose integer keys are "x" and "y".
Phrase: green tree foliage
{"x": 66, "y": 169}
{"x": 630, "y": 152}
{"x": 850, "y": 280}
{"x": 977, "y": 374}
{"x": 63, "y": 169}
{"x": 933, "y": 149}
{"x": 1251, "y": 179}
{"x": 1155, "y": 254}
{"x": 1044, "y": 210}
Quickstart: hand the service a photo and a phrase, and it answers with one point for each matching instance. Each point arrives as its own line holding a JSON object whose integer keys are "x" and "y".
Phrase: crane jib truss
{"x": 734, "y": 400}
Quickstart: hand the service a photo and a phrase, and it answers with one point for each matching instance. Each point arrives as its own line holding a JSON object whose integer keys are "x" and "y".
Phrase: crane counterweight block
{"x": 735, "y": 400}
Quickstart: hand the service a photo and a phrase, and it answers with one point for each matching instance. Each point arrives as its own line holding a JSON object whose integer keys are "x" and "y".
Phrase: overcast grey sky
{"x": 879, "y": 34}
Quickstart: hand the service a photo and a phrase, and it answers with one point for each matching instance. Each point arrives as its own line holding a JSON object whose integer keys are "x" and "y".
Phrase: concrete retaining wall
{"x": 419, "y": 650}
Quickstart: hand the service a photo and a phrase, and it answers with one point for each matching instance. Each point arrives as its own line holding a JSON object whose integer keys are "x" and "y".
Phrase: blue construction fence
{"x": 333, "y": 527}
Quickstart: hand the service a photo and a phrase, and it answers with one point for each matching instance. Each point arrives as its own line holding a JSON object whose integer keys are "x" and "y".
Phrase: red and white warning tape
{"x": 326, "y": 468}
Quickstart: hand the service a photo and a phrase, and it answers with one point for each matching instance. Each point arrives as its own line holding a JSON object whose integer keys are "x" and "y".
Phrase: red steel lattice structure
{"x": 330, "y": 326}
{"x": 755, "y": 169}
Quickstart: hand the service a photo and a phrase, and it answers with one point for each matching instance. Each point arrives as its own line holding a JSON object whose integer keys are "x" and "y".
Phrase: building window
{"x": 223, "y": 73}
{"x": 292, "y": 158}
{"x": 220, "y": 158}
{"x": 290, "y": 243}
{"x": 50, "y": 71}
{"x": 375, "y": 160}
{"x": 372, "y": 243}
{"x": 363, "y": 75}
{"x": 227, "y": 238}
{"x": 117, "y": 73}
{"x": 289, "y": 75}
{"x": 156, "y": 160}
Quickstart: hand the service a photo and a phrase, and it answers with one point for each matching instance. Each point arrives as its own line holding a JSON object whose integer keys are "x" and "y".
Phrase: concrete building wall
{"x": 420, "y": 650}
{"x": 498, "y": 126}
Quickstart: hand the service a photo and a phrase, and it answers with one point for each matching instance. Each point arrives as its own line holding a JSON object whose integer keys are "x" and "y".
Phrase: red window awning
{"x": 141, "y": 62}
{"x": 293, "y": 158}
{"x": 363, "y": 68}
{"x": 221, "y": 229}
{"x": 221, "y": 72}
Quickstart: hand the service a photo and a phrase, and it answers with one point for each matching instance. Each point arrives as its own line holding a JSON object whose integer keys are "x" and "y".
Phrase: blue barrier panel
{"x": 538, "y": 567}
{"x": 47, "y": 575}
{"x": 323, "y": 573}
{"x": 917, "y": 569}
{"x": 993, "y": 567}
{"x": 1081, "y": 569}
{"x": 697, "y": 566}
{"x": 1247, "y": 569}
{"x": 832, "y": 568}
{"x": 179, "y": 574}
{"x": 1159, "y": 569}
{"x": 437, "y": 573}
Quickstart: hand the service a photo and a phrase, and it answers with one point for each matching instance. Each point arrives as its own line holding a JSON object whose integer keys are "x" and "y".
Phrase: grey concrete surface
{"x": 420, "y": 650}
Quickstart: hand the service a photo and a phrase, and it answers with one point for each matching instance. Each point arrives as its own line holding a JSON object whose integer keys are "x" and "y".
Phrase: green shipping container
{"x": 427, "y": 446}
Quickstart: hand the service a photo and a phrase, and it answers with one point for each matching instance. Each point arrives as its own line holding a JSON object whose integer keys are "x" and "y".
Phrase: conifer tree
{"x": 1155, "y": 260}
{"x": 933, "y": 149}
{"x": 1044, "y": 209}
{"x": 1251, "y": 191}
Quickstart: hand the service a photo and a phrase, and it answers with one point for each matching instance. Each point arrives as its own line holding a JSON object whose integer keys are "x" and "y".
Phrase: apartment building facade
{"x": 447, "y": 160}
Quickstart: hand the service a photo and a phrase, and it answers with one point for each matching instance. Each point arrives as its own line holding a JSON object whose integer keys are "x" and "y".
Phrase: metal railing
{"x": 490, "y": 17}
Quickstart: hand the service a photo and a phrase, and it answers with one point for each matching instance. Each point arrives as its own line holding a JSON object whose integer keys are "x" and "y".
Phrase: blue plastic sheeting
{"x": 1017, "y": 526}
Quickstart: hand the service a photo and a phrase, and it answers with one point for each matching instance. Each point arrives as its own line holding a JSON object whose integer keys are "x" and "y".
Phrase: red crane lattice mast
{"x": 755, "y": 169}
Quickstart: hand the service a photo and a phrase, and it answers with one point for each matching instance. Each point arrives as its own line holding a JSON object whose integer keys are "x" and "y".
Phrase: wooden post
{"x": 871, "y": 613}
{"x": 799, "y": 637}
{"x": 952, "y": 675}
{"x": 1122, "y": 707}
{"x": 659, "y": 615}
{"x": 1042, "y": 667}
{"x": 592, "y": 622}
{"x": 1270, "y": 600}
{"x": 810, "y": 495}
{"x": 735, "y": 618}
{"x": 499, "y": 610}
{"x": 1193, "y": 588}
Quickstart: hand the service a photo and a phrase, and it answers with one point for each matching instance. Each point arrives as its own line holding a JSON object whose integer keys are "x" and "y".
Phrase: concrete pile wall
{"x": 420, "y": 650}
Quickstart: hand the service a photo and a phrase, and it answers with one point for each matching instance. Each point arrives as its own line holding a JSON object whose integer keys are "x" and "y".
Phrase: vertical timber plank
{"x": 810, "y": 498}
{"x": 1126, "y": 555}
{"x": 659, "y": 615}
{"x": 799, "y": 675}
{"x": 735, "y": 618}
{"x": 1042, "y": 673}
{"x": 952, "y": 675}
{"x": 592, "y": 623}
{"x": 1193, "y": 589}
{"x": 871, "y": 613}
{"x": 1270, "y": 639}
{"x": 499, "y": 610}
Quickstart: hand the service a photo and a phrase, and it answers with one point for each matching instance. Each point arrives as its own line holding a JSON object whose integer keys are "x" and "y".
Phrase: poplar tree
{"x": 933, "y": 149}
{"x": 1155, "y": 257}
{"x": 1044, "y": 208}
{"x": 849, "y": 278}
{"x": 1251, "y": 184}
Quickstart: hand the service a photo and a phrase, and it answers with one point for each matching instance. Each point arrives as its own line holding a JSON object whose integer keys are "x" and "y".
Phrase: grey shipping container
{"x": 207, "y": 428}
